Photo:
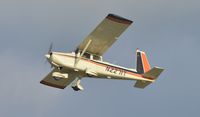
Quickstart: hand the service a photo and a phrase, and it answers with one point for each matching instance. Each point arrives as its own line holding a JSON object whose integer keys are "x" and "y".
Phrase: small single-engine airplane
{"x": 87, "y": 60}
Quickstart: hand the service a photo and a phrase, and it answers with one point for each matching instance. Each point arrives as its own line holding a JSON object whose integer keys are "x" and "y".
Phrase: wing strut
{"x": 84, "y": 50}
{"x": 87, "y": 45}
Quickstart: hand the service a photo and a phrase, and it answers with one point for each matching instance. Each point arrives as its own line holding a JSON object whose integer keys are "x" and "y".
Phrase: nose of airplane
{"x": 47, "y": 56}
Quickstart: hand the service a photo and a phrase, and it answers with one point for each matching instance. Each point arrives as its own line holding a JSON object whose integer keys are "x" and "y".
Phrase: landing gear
{"x": 60, "y": 68}
{"x": 76, "y": 86}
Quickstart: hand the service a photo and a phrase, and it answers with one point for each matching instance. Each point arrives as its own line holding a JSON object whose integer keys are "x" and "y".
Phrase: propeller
{"x": 49, "y": 53}
{"x": 50, "y": 49}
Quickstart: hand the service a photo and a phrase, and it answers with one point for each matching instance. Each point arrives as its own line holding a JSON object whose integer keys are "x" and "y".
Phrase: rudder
{"x": 142, "y": 62}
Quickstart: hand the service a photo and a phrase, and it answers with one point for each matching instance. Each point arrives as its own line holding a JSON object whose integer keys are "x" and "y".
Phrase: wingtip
{"x": 52, "y": 85}
{"x": 119, "y": 19}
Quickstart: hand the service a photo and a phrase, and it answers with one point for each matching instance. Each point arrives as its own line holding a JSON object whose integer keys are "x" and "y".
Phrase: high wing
{"x": 60, "y": 83}
{"x": 104, "y": 35}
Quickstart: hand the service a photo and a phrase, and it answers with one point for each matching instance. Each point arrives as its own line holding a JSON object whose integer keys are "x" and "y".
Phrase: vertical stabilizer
{"x": 143, "y": 67}
{"x": 142, "y": 63}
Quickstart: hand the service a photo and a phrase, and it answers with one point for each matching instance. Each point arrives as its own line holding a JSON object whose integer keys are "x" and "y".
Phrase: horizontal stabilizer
{"x": 142, "y": 84}
{"x": 153, "y": 73}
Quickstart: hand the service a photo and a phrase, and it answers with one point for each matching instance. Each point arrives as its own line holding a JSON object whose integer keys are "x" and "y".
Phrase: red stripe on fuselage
{"x": 127, "y": 72}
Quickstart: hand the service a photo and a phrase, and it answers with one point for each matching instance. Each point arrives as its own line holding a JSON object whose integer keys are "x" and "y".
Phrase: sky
{"x": 167, "y": 30}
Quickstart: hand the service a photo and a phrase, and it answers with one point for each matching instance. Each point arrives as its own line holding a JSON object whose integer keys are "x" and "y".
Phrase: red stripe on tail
{"x": 146, "y": 65}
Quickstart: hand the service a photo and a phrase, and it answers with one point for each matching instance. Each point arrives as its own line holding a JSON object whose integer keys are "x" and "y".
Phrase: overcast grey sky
{"x": 168, "y": 30}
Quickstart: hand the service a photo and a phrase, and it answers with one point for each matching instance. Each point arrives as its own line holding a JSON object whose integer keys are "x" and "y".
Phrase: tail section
{"x": 143, "y": 68}
{"x": 142, "y": 62}
{"x": 153, "y": 73}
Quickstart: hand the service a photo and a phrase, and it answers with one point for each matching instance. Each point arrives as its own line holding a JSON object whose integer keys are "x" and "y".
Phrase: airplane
{"x": 87, "y": 60}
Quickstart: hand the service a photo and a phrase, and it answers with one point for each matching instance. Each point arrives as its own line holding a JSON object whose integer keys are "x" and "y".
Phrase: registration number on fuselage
{"x": 115, "y": 70}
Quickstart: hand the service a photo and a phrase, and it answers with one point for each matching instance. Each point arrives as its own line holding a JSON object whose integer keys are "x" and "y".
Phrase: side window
{"x": 95, "y": 57}
{"x": 86, "y": 55}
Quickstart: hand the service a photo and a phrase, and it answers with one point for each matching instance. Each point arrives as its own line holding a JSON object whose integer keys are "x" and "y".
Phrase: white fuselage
{"x": 94, "y": 68}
